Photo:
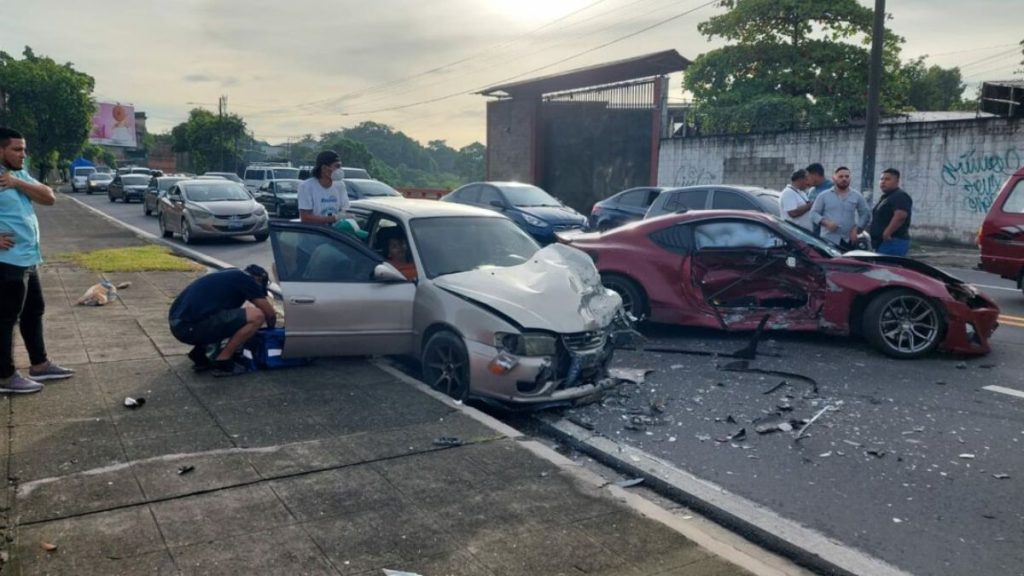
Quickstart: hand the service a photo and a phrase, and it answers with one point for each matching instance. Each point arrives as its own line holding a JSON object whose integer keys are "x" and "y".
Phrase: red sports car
{"x": 728, "y": 269}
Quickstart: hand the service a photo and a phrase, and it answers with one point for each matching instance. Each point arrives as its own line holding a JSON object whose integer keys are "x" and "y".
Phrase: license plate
{"x": 235, "y": 225}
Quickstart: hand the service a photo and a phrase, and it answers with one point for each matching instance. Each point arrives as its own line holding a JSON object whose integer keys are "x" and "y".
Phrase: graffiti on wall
{"x": 693, "y": 176}
{"x": 979, "y": 175}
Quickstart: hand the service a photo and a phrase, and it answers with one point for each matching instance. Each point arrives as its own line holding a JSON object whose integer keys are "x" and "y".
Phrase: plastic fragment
{"x": 185, "y": 469}
{"x": 1001, "y": 476}
{"x": 133, "y": 403}
{"x": 967, "y": 456}
{"x": 447, "y": 441}
{"x": 398, "y": 573}
{"x": 630, "y": 482}
{"x": 48, "y": 546}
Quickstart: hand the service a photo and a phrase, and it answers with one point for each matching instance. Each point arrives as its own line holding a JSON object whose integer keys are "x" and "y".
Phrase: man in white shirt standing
{"x": 322, "y": 197}
{"x": 796, "y": 206}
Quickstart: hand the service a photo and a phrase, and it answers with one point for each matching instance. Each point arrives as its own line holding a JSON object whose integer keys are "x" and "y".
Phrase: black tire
{"x": 634, "y": 299}
{"x": 163, "y": 227}
{"x": 446, "y": 365}
{"x": 88, "y": 192}
{"x": 110, "y": 197}
{"x": 146, "y": 209}
{"x": 261, "y": 237}
{"x": 903, "y": 324}
{"x": 186, "y": 232}
{"x": 605, "y": 226}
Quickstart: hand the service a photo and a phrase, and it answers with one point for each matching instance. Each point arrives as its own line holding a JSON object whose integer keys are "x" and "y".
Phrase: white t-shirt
{"x": 791, "y": 200}
{"x": 323, "y": 201}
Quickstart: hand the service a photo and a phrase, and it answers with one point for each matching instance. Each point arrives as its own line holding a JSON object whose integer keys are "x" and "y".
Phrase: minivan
{"x": 257, "y": 174}
{"x": 1001, "y": 235}
{"x": 80, "y": 178}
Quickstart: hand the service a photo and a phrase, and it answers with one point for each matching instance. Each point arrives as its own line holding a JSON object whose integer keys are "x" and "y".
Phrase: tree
{"x": 49, "y": 103}
{"x": 444, "y": 156}
{"x": 212, "y": 141}
{"x": 471, "y": 162}
{"x": 394, "y": 148}
{"x": 793, "y": 64}
{"x": 934, "y": 87}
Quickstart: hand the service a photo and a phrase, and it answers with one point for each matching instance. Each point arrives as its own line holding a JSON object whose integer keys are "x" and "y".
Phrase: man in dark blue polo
{"x": 212, "y": 309}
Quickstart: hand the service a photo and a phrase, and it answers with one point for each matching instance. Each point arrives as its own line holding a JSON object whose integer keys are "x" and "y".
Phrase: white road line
{"x": 1003, "y": 390}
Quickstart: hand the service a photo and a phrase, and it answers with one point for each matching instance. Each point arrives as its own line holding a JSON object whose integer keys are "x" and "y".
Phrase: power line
{"x": 969, "y": 50}
{"x": 988, "y": 58}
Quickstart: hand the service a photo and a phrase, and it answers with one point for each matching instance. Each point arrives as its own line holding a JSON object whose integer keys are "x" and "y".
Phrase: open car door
{"x": 744, "y": 270}
{"x": 340, "y": 298}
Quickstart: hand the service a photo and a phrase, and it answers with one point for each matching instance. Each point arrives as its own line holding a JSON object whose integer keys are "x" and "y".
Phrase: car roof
{"x": 755, "y": 190}
{"x": 658, "y": 222}
{"x": 206, "y": 181}
{"x": 409, "y": 208}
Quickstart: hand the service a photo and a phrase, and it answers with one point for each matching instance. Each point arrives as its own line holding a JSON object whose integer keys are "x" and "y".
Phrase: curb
{"x": 804, "y": 546}
{"x": 205, "y": 260}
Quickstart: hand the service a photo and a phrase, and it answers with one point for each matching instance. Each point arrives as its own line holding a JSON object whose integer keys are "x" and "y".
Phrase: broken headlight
{"x": 526, "y": 344}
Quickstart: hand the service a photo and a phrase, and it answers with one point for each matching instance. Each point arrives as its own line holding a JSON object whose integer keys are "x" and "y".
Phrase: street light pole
{"x": 874, "y": 90}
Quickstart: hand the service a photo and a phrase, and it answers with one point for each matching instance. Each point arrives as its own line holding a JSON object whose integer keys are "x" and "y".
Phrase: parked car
{"x": 534, "y": 210}
{"x": 98, "y": 182}
{"x": 350, "y": 172}
{"x": 1001, "y": 235}
{"x": 210, "y": 209}
{"x": 80, "y": 178}
{"x": 157, "y": 189}
{"x": 498, "y": 319}
{"x": 280, "y": 197}
{"x": 227, "y": 176}
{"x": 626, "y": 206}
{"x": 716, "y": 197}
{"x": 359, "y": 188}
{"x": 128, "y": 187}
{"x": 729, "y": 269}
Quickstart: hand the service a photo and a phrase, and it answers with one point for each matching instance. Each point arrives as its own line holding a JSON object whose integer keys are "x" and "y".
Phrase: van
{"x": 1001, "y": 235}
{"x": 257, "y": 174}
{"x": 360, "y": 173}
{"x": 80, "y": 178}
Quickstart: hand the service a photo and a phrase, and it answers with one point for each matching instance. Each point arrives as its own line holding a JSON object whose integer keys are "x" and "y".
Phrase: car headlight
{"x": 261, "y": 211}
{"x": 200, "y": 213}
{"x": 526, "y": 344}
{"x": 534, "y": 221}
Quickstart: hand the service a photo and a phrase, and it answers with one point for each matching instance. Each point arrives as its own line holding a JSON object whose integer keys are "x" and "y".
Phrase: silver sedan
{"x": 212, "y": 208}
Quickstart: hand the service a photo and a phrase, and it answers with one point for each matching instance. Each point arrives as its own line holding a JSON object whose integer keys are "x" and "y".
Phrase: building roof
{"x": 935, "y": 116}
{"x": 654, "y": 64}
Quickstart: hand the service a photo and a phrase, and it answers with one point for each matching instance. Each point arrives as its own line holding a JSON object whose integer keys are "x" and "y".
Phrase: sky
{"x": 313, "y": 66}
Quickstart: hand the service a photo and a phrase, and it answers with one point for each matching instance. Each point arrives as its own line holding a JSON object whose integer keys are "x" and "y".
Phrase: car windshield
{"x": 806, "y": 237}
{"x": 213, "y": 191}
{"x": 286, "y": 173}
{"x": 135, "y": 180}
{"x": 164, "y": 184}
{"x": 287, "y": 186}
{"x": 482, "y": 242}
{"x": 84, "y": 171}
{"x": 366, "y": 188}
{"x": 526, "y": 195}
{"x": 100, "y": 176}
{"x": 770, "y": 203}
{"x": 227, "y": 175}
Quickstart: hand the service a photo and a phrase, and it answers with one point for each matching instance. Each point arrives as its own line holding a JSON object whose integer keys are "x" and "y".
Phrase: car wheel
{"x": 110, "y": 197}
{"x": 903, "y": 324}
{"x": 89, "y": 192}
{"x": 163, "y": 227}
{"x": 146, "y": 209}
{"x": 186, "y": 232}
{"x": 262, "y": 236}
{"x": 446, "y": 365}
{"x": 605, "y": 226}
{"x": 634, "y": 300}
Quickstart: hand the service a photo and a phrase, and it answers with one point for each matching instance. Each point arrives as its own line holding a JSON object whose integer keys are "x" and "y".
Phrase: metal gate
{"x": 597, "y": 141}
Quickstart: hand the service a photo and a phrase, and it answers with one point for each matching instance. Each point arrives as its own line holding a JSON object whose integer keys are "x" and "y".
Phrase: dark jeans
{"x": 21, "y": 304}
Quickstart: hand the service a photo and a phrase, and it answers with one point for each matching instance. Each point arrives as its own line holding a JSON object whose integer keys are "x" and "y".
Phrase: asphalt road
{"x": 914, "y": 462}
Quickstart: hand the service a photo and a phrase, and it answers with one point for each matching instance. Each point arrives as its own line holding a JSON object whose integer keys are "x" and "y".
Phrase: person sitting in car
{"x": 400, "y": 258}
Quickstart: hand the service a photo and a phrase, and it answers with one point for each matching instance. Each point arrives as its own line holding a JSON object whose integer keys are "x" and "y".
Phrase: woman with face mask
{"x": 322, "y": 197}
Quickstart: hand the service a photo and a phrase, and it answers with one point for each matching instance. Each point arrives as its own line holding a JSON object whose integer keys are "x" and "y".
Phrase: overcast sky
{"x": 311, "y": 66}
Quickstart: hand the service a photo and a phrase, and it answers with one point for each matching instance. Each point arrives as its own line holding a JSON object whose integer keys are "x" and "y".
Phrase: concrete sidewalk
{"x": 327, "y": 469}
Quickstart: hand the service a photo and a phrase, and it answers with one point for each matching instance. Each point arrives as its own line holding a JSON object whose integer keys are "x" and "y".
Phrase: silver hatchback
{"x": 487, "y": 312}
{"x": 211, "y": 209}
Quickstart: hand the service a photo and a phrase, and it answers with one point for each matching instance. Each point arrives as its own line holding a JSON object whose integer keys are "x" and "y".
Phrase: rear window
{"x": 285, "y": 173}
{"x": 84, "y": 171}
{"x": 1015, "y": 201}
{"x": 135, "y": 179}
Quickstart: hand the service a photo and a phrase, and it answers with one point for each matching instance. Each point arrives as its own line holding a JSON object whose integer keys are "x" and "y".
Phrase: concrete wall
{"x": 952, "y": 169}
{"x": 511, "y": 139}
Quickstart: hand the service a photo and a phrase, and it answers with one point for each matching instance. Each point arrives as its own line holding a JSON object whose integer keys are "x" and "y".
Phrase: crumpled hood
{"x": 553, "y": 214}
{"x": 901, "y": 262}
{"x": 558, "y": 290}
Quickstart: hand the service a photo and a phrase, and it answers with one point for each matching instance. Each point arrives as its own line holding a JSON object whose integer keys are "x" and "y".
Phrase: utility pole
{"x": 874, "y": 90}
{"x": 222, "y": 109}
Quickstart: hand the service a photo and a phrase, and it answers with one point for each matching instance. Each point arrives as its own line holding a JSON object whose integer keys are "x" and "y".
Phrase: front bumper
{"x": 969, "y": 329}
{"x": 219, "y": 227}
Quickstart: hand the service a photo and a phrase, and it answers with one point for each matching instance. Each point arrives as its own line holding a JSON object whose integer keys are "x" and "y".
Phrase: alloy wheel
{"x": 909, "y": 324}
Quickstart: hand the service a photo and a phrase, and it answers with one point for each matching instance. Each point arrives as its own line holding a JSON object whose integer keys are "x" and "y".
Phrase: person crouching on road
{"x": 213, "y": 308}
{"x": 21, "y": 294}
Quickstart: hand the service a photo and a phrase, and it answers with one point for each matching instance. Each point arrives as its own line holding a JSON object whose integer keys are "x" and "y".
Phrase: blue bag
{"x": 264, "y": 350}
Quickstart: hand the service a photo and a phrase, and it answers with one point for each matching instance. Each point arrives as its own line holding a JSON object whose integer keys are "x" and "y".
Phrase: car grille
{"x": 233, "y": 216}
{"x": 584, "y": 341}
{"x": 567, "y": 226}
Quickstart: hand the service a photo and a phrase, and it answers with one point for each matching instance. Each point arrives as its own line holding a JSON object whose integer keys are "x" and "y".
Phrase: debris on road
{"x": 749, "y": 351}
{"x": 772, "y": 423}
{"x": 48, "y": 546}
{"x": 629, "y": 483}
{"x": 133, "y": 403}
{"x": 738, "y": 436}
{"x": 877, "y": 453}
{"x": 1001, "y": 476}
{"x": 803, "y": 430}
{"x": 634, "y": 375}
{"x": 582, "y": 421}
{"x": 966, "y": 456}
{"x": 776, "y": 387}
{"x": 185, "y": 469}
{"x": 398, "y": 573}
{"x": 961, "y": 366}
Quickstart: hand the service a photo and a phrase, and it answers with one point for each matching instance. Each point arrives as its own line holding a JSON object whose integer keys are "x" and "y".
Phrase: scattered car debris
{"x": 966, "y": 456}
{"x": 772, "y": 423}
{"x": 897, "y": 520}
{"x": 961, "y": 365}
{"x": 877, "y": 453}
{"x": 628, "y": 483}
{"x": 749, "y": 351}
{"x": 940, "y": 383}
{"x": 1001, "y": 476}
{"x": 730, "y": 419}
{"x": 635, "y": 375}
{"x": 803, "y": 429}
{"x": 48, "y": 546}
{"x": 852, "y": 443}
{"x": 784, "y": 407}
{"x": 133, "y": 403}
{"x": 658, "y": 406}
{"x": 185, "y": 469}
{"x": 744, "y": 366}
{"x": 447, "y": 441}
{"x": 825, "y": 454}
{"x": 398, "y": 573}
{"x": 738, "y": 436}
{"x": 776, "y": 387}
{"x": 582, "y": 421}
{"x": 736, "y": 365}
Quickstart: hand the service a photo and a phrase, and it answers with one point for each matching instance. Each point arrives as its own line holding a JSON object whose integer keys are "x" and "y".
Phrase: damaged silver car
{"x": 488, "y": 313}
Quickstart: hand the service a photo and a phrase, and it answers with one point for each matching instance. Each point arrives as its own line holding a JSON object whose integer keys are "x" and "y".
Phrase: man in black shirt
{"x": 211, "y": 309}
{"x": 890, "y": 219}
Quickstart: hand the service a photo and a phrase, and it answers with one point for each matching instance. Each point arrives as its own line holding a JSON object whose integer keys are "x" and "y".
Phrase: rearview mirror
{"x": 385, "y": 272}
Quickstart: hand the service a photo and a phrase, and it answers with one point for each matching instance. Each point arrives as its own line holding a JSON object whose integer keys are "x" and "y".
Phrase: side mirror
{"x": 385, "y": 272}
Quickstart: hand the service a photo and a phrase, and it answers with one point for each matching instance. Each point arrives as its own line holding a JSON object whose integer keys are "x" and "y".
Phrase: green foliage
{"x": 49, "y": 103}
{"x": 212, "y": 141}
{"x": 934, "y": 87}
{"x": 391, "y": 147}
{"x": 793, "y": 64}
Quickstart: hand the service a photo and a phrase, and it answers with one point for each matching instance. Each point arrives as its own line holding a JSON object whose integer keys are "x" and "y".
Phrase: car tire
{"x": 605, "y": 226}
{"x": 445, "y": 365}
{"x": 186, "y": 232}
{"x": 903, "y": 324}
{"x": 262, "y": 236}
{"x": 88, "y": 192}
{"x": 634, "y": 299}
{"x": 110, "y": 197}
{"x": 163, "y": 227}
{"x": 146, "y": 209}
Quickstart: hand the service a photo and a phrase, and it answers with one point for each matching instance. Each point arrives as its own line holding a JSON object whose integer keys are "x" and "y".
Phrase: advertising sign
{"x": 113, "y": 124}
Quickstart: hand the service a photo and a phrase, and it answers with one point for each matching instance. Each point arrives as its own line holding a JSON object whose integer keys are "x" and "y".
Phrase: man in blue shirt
{"x": 21, "y": 295}
{"x": 212, "y": 309}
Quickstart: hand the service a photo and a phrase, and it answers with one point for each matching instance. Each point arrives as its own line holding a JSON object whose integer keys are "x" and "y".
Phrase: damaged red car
{"x": 729, "y": 269}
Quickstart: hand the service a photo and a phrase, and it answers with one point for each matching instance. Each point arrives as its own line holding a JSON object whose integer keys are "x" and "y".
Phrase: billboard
{"x": 113, "y": 124}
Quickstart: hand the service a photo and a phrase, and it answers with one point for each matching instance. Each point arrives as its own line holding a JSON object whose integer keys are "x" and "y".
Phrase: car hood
{"x": 558, "y": 289}
{"x": 907, "y": 263}
{"x": 288, "y": 195}
{"x": 136, "y": 187}
{"x": 553, "y": 214}
{"x": 229, "y": 208}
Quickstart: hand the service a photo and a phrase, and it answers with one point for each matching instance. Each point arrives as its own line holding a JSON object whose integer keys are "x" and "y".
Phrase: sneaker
{"x": 222, "y": 368}
{"x": 200, "y": 361}
{"x": 52, "y": 371}
{"x": 18, "y": 384}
